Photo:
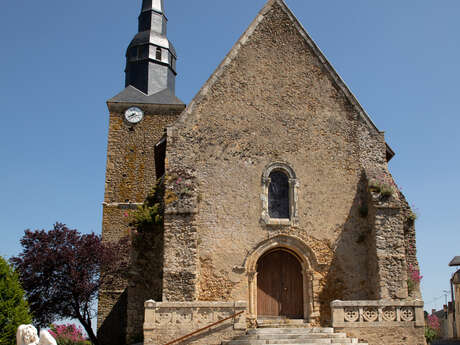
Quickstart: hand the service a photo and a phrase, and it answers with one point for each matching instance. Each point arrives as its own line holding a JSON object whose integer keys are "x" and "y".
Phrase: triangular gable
{"x": 316, "y": 51}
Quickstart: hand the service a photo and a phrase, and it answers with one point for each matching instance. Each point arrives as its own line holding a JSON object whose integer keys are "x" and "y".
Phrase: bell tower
{"x": 139, "y": 115}
{"x": 151, "y": 57}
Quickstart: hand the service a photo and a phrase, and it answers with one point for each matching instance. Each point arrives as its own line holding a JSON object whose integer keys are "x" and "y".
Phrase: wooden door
{"x": 279, "y": 285}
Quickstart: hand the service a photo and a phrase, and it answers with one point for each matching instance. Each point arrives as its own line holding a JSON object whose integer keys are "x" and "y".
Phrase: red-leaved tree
{"x": 61, "y": 271}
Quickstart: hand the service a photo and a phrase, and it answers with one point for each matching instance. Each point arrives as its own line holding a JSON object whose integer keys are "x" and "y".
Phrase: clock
{"x": 134, "y": 115}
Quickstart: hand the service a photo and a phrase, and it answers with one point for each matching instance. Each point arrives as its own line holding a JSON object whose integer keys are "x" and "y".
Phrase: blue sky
{"x": 61, "y": 60}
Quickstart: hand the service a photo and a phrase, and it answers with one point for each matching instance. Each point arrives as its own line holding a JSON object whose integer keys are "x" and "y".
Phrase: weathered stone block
{"x": 167, "y": 321}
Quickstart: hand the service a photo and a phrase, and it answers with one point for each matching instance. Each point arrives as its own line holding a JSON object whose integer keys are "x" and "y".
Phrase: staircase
{"x": 291, "y": 332}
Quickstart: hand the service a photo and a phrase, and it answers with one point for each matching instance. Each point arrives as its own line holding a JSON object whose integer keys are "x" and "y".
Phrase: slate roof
{"x": 455, "y": 261}
{"x": 132, "y": 95}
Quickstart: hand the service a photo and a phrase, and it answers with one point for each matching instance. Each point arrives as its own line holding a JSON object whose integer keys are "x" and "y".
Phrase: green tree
{"x": 14, "y": 310}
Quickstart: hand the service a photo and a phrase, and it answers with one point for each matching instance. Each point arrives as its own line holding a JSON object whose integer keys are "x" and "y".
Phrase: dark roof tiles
{"x": 455, "y": 261}
{"x": 132, "y": 95}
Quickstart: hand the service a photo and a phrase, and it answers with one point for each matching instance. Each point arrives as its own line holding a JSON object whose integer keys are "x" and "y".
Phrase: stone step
{"x": 293, "y": 336}
{"x": 277, "y": 322}
{"x": 281, "y": 322}
{"x": 293, "y": 341}
{"x": 269, "y": 336}
{"x": 283, "y": 325}
{"x": 287, "y": 330}
{"x": 302, "y": 343}
{"x": 311, "y": 340}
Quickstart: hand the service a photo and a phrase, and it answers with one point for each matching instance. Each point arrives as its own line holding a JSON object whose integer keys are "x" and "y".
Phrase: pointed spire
{"x": 156, "y": 5}
{"x": 151, "y": 58}
{"x": 152, "y": 17}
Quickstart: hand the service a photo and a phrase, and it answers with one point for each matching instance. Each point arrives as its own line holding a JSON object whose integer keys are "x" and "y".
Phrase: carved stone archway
{"x": 309, "y": 265}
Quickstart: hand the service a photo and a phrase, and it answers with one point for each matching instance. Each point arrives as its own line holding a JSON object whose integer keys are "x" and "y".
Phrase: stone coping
{"x": 373, "y": 324}
{"x": 149, "y": 109}
{"x": 378, "y": 303}
{"x": 180, "y": 318}
{"x": 197, "y": 304}
{"x": 377, "y": 313}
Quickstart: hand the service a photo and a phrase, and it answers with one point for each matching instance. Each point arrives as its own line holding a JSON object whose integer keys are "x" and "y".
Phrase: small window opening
{"x": 158, "y": 54}
{"x": 278, "y": 195}
{"x": 160, "y": 157}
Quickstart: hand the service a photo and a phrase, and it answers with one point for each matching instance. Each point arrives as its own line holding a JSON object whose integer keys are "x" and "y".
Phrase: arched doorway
{"x": 280, "y": 285}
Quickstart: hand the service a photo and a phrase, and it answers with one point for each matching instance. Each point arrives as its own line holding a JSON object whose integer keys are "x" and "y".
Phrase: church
{"x": 279, "y": 213}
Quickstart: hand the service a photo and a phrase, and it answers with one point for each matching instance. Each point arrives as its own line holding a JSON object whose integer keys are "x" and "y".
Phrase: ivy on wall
{"x": 149, "y": 216}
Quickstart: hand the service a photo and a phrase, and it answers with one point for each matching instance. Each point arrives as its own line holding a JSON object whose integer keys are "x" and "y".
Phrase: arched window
{"x": 279, "y": 195}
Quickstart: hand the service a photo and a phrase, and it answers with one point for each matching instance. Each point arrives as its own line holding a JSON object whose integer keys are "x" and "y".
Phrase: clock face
{"x": 134, "y": 115}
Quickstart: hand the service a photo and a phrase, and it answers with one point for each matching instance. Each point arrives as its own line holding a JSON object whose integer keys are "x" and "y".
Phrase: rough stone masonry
{"x": 274, "y": 105}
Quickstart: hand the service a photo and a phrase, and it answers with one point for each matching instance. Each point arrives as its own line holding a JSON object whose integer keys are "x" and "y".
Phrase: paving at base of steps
{"x": 446, "y": 342}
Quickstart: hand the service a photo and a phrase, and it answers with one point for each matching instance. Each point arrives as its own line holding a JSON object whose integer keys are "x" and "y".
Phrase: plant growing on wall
{"x": 383, "y": 184}
{"x": 374, "y": 186}
{"x": 146, "y": 240}
{"x": 386, "y": 191}
{"x": 149, "y": 216}
{"x": 180, "y": 190}
{"x": 413, "y": 279}
{"x": 381, "y": 187}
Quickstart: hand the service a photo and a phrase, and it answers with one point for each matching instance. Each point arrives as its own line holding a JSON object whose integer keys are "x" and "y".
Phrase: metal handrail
{"x": 204, "y": 328}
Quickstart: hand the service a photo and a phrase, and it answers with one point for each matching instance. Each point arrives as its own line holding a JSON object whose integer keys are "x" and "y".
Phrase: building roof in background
{"x": 455, "y": 261}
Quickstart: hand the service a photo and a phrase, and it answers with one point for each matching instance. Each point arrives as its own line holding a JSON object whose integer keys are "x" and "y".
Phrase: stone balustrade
{"x": 381, "y": 313}
{"x": 166, "y": 321}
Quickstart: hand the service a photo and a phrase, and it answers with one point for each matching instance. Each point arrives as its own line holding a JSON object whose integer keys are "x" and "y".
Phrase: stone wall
{"x": 130, "y": 175}
{"x": 456, "y": 287}
{"x": 391, "y": 229}
{"x": 180, "y": 259}
{"x": 113, "y": 298}
{"x": 383, "y": 335}
{"x": 273, "y": 99}
{"x": 389, "y": 245}
{"x": 167, "y": 321}
{"x": 112, "y": 316}
{"x": 130, "y": 172}
{"x": 146, "y": 277}
{"x": 409, "y": 217}
{"x": 380, "y": 322}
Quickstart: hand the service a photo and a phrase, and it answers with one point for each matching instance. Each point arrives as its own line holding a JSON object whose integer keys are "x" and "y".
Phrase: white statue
{"x": 27, "y": 335}
{"x": 46, "y": 338}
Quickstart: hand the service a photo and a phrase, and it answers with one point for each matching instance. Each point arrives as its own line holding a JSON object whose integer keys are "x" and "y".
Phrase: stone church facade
{"x": 278, "y": 200}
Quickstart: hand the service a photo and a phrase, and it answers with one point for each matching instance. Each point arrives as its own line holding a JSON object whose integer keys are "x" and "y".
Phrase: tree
{"x": 61, "y": 271}
{"x": 14, "y": 310}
